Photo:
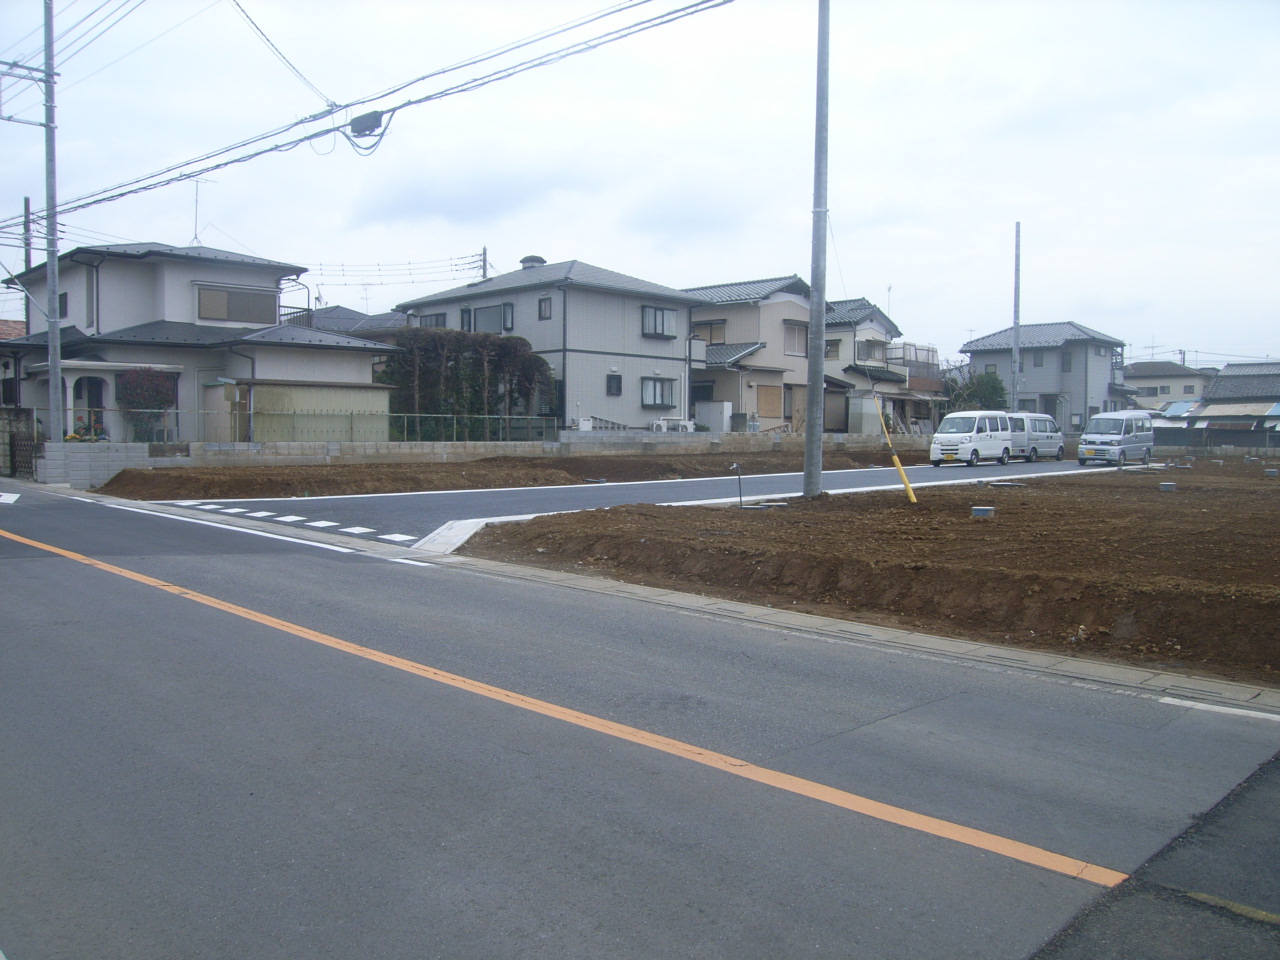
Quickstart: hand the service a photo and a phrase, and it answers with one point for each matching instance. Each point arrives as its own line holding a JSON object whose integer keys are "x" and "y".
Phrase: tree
{"x": 969, "y": 391}
{"x": 451, "y": 372}
{"x": 144, "y": 394}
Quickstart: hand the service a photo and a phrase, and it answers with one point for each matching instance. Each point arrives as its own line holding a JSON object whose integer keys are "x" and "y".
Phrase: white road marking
{"x": 290, "y": 519}
{"x": 323, "y": 523}
{"x": 8, "y": 498}
{"x": 1214, "y": 708}
{"x": 234, "y": 510}
{"x": 261, "y": 513}
{"x": 356, "y": 530}
{"x": 397, "y": 537}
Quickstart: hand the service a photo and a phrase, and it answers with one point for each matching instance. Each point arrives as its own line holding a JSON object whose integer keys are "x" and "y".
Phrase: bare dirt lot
{"x": 1102, "y": 564}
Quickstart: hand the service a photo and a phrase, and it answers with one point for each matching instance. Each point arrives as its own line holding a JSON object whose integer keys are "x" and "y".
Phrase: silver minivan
{"x": 1119, "y": 437}
{"x": 1036, "y": 435}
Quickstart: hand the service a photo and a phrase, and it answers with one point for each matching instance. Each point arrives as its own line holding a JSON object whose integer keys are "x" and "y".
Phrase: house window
{"x": 1189, "y": 388}
{"x": 1164, "y": 389}
{"x": 62, "y": 306}
{"x": 495, "y": 319}
{"x": 237, "y": 306}
{"x": 613, "y": 384}
{"x": 712, "y": 331}
{"x": 432, "y": 320}
{"x": 795, "y": 339}
{"x": 874, "y": 350}
{"x": 1037, "y": 358}
{"x": 1066, "y": 361}
{"x": 832, "y": 350}
{"x": 991, "y": 367}
{"x": 1100, "y": 351}
{"x": 657, "y": 393}
{"x": 544, "y": 308}
{"x": 466, "y": 319}
{"x": 1146, "y": 391}
{"x": 658, "y": 322}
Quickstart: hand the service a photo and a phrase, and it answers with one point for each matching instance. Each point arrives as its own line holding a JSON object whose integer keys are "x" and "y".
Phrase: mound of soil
{"x": 1103, "y": 564}
{"x": 225, "y": 483}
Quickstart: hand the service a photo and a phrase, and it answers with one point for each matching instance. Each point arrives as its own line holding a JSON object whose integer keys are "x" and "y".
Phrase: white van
{"x": 1035, "y": 435}
{"x": 1118, "y": 437}
{"x": 970, "y": 436}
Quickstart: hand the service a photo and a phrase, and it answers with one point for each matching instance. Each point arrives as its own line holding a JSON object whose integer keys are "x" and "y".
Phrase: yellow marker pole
{"x": 902, "y": 473}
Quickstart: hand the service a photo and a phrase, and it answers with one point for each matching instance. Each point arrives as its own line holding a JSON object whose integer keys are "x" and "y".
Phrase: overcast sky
{"x": 1137, "y": 142}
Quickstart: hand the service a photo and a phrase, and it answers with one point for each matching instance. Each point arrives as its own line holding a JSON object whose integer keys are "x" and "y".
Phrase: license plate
{"x": 948, "y": 456}
{"x": 1090, "y": 453}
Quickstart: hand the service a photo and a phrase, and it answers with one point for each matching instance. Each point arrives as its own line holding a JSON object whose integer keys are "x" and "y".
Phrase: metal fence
{"x": 171, "y": 426}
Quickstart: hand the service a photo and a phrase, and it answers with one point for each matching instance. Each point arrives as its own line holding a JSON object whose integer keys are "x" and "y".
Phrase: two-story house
{"x": 757, "y": 334}
{"x": 757, "y": 337}
{"x": 1162, "y": 382}
{"x": 619, "y": 348}
{"x": 1066, "y": 370}
{"x": 209, "y": 319}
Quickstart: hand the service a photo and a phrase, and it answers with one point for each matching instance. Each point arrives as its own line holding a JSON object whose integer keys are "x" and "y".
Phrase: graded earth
{"x": 1101, "y": 563}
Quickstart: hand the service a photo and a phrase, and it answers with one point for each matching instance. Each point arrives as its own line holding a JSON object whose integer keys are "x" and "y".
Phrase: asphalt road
{"x": 216, "y": 743}
{"x": 410, "y": 517}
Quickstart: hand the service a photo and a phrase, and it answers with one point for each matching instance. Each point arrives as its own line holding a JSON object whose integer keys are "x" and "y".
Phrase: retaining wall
{"x": 87, "y": 465}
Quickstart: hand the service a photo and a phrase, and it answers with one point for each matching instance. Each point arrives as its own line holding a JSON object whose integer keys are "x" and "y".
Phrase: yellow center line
{"x": 992, "y": 843}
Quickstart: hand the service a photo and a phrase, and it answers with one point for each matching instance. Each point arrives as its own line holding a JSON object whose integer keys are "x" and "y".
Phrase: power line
{"x": 280, "y": 55}
{"x": 140, "y": 184}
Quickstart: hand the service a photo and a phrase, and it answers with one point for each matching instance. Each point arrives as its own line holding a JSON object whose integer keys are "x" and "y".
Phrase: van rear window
{"x": 957, "y": 425}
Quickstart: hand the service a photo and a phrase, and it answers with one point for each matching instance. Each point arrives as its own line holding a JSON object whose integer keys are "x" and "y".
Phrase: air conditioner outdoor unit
{"x": 658, "y": 426}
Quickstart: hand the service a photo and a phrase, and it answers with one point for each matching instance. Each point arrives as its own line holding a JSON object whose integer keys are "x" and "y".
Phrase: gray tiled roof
{"x": 345, "y": 320}
{"x": 173, "y": 334}
{"x": 1245, "y": 381}
{"x": 138, "y": 251}
{"x": 719, "y": 354}
{"x": 850, "y": 313}
{"x": 750, "y": 290}
{"x": 876, "y": 374}
{"x": 570, "y": 272}
{"x": 1159, "y": 368}
{"x": 1035, "y": 335}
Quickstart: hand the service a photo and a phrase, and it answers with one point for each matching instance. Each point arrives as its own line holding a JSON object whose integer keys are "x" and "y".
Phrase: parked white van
{"x": 971, "y": 435}
{"x": 1036, "y": 435}
{"x": 1118, "y": 438}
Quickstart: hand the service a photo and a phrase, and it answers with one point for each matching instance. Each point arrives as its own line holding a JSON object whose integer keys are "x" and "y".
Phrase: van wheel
{"x": 1031, "y": 456}
{"x": 936, "y": 463}
{"x": 1146, "y": 457}
{"x": 974, "y": 458}
{"x": 1120, "y": 460}
{"x": 1004, "y": 457}
{"x": 1062, "y": 453}
{"x": 1081, "y": 462}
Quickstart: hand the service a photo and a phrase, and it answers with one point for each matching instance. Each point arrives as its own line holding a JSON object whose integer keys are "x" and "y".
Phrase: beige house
{"x": 1162, "y": 382}
{"x": 757, "y": 335}
{"x": 212, "y": 321}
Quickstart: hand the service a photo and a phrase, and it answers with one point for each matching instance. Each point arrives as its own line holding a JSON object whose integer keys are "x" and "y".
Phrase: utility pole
{"x": 57, "y": 416}
{"x": 818, "y": 273}
{"x": 1017, "y": 294}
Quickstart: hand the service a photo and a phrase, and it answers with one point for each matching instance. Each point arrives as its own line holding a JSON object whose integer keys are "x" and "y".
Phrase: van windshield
{"x": 1111, "y": 425}
{"x": 957, "y": 425}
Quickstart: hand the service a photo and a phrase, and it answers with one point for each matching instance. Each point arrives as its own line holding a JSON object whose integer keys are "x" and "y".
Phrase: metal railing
{"x": 91, "y": 425}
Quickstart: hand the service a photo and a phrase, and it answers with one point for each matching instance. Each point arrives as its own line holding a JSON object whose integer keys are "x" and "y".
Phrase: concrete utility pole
{"x": 1017, "y": 293}
{"x": 818, "y": 272}
{"x": 57, "y": 415}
